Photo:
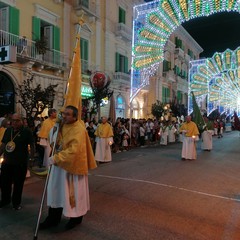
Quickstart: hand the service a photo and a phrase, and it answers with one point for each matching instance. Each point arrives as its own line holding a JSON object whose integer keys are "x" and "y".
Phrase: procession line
{"x": 166, "y": 185}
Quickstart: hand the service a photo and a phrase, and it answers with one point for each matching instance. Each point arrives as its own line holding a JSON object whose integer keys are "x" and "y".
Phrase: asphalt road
{"x": 148, "y": 194}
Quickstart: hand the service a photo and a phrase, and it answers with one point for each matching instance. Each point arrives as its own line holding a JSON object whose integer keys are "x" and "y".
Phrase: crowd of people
{"x": 79, "y": 145}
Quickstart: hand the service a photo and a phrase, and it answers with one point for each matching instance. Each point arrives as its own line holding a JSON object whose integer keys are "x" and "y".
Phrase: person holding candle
{"x": 104, "y": 140}
{"x": 190, "y": 132}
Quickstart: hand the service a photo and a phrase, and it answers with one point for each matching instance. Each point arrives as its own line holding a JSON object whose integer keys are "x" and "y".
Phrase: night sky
{"x": 215, "y": 33}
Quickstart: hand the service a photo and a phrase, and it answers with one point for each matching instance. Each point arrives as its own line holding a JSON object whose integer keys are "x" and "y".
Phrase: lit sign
{"x": 86, "y": 91}
{"x": 7, "y": 54}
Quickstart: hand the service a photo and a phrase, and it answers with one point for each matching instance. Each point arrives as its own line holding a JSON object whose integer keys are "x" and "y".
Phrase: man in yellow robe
{"x": 68, "y": 191}
{"x": 190, "y": 136}
{"x": 104, "y": 140}
{"x": 44, "y": 133}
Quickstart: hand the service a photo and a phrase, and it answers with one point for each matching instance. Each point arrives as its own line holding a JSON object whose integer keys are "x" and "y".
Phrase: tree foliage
{"x": 97, "y": 99}
{"x": 157, "y": 109}
{"x": 35, "y": 99}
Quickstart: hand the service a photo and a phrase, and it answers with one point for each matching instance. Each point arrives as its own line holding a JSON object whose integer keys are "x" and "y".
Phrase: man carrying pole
{"x": 71, "y": 158}
{"x": 67, "y": 190}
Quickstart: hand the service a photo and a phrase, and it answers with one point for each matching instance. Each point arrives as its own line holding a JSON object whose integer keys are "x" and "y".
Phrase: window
{"x": 178, "y": 43}
{"x": 84, "y": 3}
{"x": 84, "y": 54}
{"x": 177, "y": 70}
{"x": 9, "y": 19}
{"x": 122, "y": 15}
{"x": 42, "y": 30}
{"x": 120, "y": 102}
{"x": 121, "y": 63}
{"x": 165, "y": 94}
{"x": 179, "y": 97}
{"x": 166, "y": 65}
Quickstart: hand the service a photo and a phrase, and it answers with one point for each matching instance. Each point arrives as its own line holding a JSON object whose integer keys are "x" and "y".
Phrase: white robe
{"x": 58, "y": 192}
{"x": 103, "y": 151}
{"x": 47, "y": 150}
{"x": 189, "y": 148}
{"x": 164, "y": 136}
{"x": 207, "y": 140}
{"x": 171, "y": 134}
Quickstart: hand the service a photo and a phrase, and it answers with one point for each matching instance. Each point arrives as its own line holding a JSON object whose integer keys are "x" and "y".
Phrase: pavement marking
{"x": 166, "y": 185}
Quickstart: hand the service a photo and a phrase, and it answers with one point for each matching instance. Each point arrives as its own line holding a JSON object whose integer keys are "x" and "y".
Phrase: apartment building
{"x": 106, "y": 45}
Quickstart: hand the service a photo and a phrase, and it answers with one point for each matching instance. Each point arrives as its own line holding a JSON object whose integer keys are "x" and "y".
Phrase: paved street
{"x": 148, "y": 193}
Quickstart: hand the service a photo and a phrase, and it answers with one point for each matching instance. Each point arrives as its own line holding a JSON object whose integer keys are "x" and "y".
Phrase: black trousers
{"x": 12, "y": 181}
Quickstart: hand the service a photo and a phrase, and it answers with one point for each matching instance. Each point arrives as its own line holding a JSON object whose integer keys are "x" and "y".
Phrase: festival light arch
{"x": 216, "y": 81}
{"x": 153, "y": 24}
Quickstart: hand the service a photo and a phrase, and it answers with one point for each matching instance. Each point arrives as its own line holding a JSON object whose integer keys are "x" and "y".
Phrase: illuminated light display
{"x": 153, "y": 24}
{"x": 216, "y": 81}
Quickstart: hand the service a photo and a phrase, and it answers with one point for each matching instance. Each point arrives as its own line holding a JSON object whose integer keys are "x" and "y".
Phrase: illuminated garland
{"x": 218, "y": 80}
{"x": 153, "y": 24}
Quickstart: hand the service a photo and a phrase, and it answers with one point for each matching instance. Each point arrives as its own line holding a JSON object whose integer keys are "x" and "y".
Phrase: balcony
{"x": 179, "y": 53}
{"x": 85, "y": 7}
{"x": 187, "y": 58}
{"x": 170, "y": 76}
{"x": 182, "y": 85}
{"x": 27, "y": 51}
{"x": 122, "y": 79}
{"x": 122, "y": 31}
{"x": 85, "y": 67}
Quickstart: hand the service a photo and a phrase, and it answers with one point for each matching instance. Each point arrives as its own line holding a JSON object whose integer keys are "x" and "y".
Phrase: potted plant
{"x": 41, "y": 45}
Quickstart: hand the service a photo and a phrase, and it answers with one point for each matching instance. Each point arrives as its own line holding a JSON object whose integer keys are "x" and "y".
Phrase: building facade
{"x": 106, "y": 45}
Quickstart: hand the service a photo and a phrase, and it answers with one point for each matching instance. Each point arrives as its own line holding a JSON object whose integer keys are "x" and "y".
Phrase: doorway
{"x": 7, "y": 94}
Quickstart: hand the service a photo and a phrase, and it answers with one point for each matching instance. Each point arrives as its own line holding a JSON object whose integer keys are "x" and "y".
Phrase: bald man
{"x": 104, "y": 139}
{"x": 190, "y": 136}
{"x": 14, "y": 146}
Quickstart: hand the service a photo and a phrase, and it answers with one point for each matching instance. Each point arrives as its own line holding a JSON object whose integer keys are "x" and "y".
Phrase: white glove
{"x": 51, "y": 161}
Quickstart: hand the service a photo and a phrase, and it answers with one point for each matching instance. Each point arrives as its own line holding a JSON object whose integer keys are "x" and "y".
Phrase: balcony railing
{"x": 187, "y": 58}
{"x": 169, "y": 76}
{"x": 26, "y": 49}
{"x": 122, "y": 77}
{"x": 89, "y": 7}
{"x": 123, "y": 31}
{"x": 85, "y": 67}
{"x": 179, "y": 53}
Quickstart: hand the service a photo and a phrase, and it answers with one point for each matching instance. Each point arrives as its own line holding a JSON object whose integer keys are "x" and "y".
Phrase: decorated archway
{"x": 216, "y": 82}
{"x": 153, "y": 24}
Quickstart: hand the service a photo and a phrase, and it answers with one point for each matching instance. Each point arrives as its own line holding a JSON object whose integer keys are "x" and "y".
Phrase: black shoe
{"x": 183, "y": 159}
{"x": 3, "y": 204}
{"x": 47, "y": 224}
{"x": 17, "y": 207}
{"x": 73, "y": 222}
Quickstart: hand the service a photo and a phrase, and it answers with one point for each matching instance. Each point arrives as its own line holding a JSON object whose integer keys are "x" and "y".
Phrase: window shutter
{"x": 122, "y": 15}
{"x": 176, "y": 42}
{"x": 84, "y": 49}
{"x": 13, "y": 20}
{"x": 163, "y": 94}
{"x": 168, "y": 92}
{"x": 126, "y": 65}
{"x": 36, "y": 28}
{"x": 117, "y": 68}
{"x": 56, "y": 38}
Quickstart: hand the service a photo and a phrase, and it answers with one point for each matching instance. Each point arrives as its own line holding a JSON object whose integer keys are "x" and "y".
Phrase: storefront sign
{"x": 86, "y": 91}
